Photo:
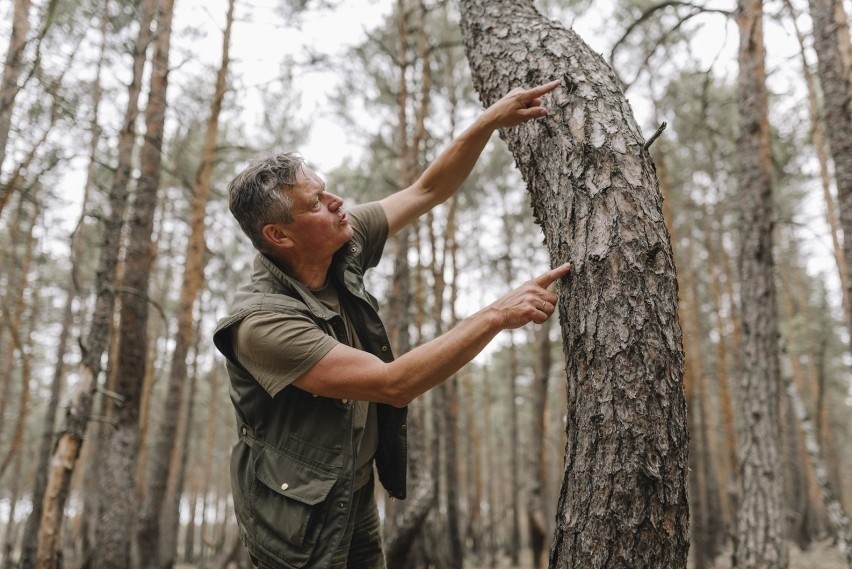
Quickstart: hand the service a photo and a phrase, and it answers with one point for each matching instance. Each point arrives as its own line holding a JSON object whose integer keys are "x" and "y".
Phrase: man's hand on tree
{"x": 519, "y": 106}
{"x": 530, "y": 302}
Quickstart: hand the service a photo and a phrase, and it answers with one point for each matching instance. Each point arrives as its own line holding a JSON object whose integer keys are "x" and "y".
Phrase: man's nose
{"x": 335, "y": 202}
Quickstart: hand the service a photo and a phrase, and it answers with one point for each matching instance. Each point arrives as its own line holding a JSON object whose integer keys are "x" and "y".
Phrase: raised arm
{"x": 347, "y": 373}
{"x": 446, "y": 174}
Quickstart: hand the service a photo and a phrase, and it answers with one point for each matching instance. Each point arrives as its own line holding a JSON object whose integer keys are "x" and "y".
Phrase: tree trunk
{"x": 20, "y": 342}
{"x": 116, "y": 514}
{"x": 169, "y": 525}
{"x": 623, "y": 501}
{"x": 67, "y": 449}
{"x": 831, "y": 42}
{"x": 193, "y": 279}
{"x": 537, "y": 519}
{"x": 839, "y": 518}
{"x": 451, "y": 409}
{"x": 818, "y": 138}
{"x": 729, "y": 456}
{"x": 9, "y": 87}
{"x": 30, "y": 544}
{"x": 760, "y": 536}
{"x": 12, "y": 311}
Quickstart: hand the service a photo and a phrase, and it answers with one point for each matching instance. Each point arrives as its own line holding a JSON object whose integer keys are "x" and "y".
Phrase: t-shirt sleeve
{"x": 370, "y": 226}
{"x": 278, "y": 348}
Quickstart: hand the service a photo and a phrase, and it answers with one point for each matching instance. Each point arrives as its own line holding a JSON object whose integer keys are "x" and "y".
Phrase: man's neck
{"x": 313, "y": 273}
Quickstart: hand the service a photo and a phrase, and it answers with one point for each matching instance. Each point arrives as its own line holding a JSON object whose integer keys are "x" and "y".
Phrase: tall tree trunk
{"x": 9, "y": 87}
{"x": 536, "y": 517}
{"x": 451, "y": 410}
{"x": 170, "y": 516}
{"x": 20, "y": 343}
{"x": 192, "y": 282}
{"x": 818, "y": 138}
{"x": 831, "y": 42}
{"x": 514, "y": 545}
{"x": 623, "y": 501}
{"x": 14, "y": 318}
{"x": 116, "y": 514}
{"x": 729, "y": 456}
{"x": 837, "y": 515}
{"x": 67, "y": 449}
{"x": 30, "y": 544}
{"x": 760, "y": 536}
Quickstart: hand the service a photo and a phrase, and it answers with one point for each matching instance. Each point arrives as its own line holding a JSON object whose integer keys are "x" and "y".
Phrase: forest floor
{"x": 820, "y": 555}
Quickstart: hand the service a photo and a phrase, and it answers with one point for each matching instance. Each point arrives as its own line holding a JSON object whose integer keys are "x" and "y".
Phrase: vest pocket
{"x": 287, "y": 505}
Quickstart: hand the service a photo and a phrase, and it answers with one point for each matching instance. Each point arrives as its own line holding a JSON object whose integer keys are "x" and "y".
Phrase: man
{"x": 317, "y": 393}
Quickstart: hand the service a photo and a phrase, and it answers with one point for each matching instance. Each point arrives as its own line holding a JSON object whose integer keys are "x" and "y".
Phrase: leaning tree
{"x": 594, "y": 192}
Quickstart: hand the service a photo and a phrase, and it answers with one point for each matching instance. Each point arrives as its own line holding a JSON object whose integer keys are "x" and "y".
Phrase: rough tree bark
{"x": 191, "y": 284}
{"x": 116, "y": 513}
{"x": 67, "y": 449}
{"x": 759, "y": 536}
{"x": 594, "y": 191}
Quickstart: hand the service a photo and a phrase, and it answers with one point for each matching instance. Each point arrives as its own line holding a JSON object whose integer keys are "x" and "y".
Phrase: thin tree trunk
{"x": 11, "y": 322}
{"x": 169, "y": 525}
{"x": 67, "y": 449}
{"x": 761, "y": 539}
{"x": 831, "y": 42}
{"x": 193, "y": 279}
{"x": 9, "y": 87}
{"x": 594, "y": 191}
{"x": 116, "y": 513}
{"x": 30, "y": 544}
{"x": 818, "y": 138}
{"x": 839, "y": 518}
{"x": 514, "y": 544}
{"x": 14, "y": 319}
{"x": 22, "y": 344}
{"x": 451, "y": 409}
{"x": 537, "y": 520}
{"x": 729, "y": 457}
{"x": 491, "y": 465}
{"x": 189, "y": 555}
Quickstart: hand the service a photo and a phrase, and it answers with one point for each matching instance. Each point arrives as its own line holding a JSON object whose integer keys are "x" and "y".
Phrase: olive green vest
{"x": 292, "y": 469}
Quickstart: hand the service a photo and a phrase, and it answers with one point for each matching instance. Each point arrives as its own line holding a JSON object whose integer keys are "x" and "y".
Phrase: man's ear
{"x": 276, "y": 235}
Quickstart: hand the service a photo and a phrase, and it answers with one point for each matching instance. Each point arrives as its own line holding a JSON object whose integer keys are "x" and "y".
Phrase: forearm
{"x": 448, "y": 172}
{"x": 432, "y": 363}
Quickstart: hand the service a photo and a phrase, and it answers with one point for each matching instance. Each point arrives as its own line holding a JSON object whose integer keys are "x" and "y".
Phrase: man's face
{"x": 320, "y": 225}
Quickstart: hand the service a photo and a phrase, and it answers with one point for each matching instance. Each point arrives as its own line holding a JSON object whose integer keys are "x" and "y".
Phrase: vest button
{"x": 243, "y": 430}
{"x": 284, "y": 486}
{"x": 404, "y": 426}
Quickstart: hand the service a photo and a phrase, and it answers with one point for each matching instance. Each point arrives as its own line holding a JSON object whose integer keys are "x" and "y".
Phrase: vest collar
{"x": 264, "y": 266}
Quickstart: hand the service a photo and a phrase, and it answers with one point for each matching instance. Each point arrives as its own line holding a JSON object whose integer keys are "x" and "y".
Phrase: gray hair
{"x": 257, "y": 197}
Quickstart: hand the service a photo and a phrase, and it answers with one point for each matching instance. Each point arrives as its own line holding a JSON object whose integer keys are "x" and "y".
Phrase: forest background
{"x": 113, "y": 182}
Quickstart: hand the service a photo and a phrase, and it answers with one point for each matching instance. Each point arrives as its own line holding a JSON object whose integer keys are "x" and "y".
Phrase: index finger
{"x": 552, "y": 275}
{"x": 543, "y": 89}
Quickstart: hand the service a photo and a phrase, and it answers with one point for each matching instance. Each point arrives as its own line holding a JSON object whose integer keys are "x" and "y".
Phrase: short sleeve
{"x": 370, "y": 225}
{"x": 276, "y": 349}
